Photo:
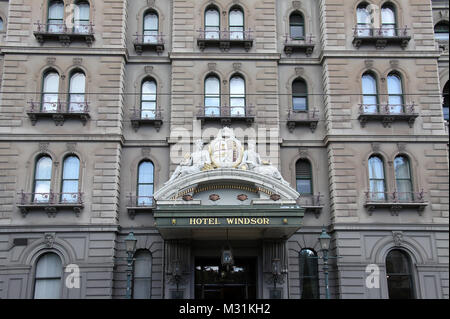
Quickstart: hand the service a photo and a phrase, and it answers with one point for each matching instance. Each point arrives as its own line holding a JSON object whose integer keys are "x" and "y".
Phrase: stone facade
{"x": 110, "y": 148}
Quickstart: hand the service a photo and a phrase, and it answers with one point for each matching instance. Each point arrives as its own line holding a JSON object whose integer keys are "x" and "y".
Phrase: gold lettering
{"x": 198, "y": 221}
{"x": 230, "y": 221}
{"x": 247, "y": 221}
{"x": 266, "y": 221}
{"x": 217, "y": 221}
{"x": 190, "y": 221}
{"x": 259, "y": 221}
{"x": 240, "y": 221}
{"x": 253, "y": 221}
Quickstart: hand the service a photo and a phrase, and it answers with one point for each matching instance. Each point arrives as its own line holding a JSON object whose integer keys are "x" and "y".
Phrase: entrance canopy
{"x": 226, "y": 193}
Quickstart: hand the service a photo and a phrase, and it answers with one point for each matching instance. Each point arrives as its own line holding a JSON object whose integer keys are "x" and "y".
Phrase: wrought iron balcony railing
{"x": 311, "y": 203}
{"x": 146, "y": 117}
{"x": 58, "y": 111}
{"x": 225, "y": 39}
{"x": 395, "y": 201}
{"x": 149, "y": 42}
{"x": 137, "y": 204}
{"x": 380, "y": 36}
{"x": 50, "y": 202}
{"x": 63, "y": 33}
{"x": 308, "y": 118}
{"x": 299, "y": 44}
{"x": 226, "y": 114}
{"x": 387, "y": 113}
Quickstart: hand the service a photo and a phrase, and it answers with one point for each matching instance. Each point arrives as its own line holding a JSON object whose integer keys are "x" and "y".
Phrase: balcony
{"x": 381, "y": 37}
{"x": 146, "y": 118}
{"x": 225, "y": 39}
{"x": 59, "y": 112}
{"x": 226, "y": 115}
{"x": 152, "y": 43}
{"x": 311, "y": 203}
{"x": 303, "y": 118}
{"x": 140, "y": 204}
{"x": 387, "y": 114}
{"x": 50, "y": 202}
{"x": 395, "y": 201}
{"x": 294, "y": 45}
{"x": 60, "y": 32}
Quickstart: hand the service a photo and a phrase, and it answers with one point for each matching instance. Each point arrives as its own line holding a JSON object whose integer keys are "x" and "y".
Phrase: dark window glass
{"x": 399, "y": 277}
{"x": 441, "y": 31}
{"x": 297, "y": 26}
{"x": 142, "y": 279}
{"x": 299, "y": 95}
{"x": 309, "y": 275}
{"x": 304, "y": 177}
{"x": 145, "y": 183}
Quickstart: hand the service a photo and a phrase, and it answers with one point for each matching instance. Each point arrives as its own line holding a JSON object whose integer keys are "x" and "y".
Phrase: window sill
{"x": 58, "y": 117}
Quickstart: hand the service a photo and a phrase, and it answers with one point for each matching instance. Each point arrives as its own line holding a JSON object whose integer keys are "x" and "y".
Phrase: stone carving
{"x": 148, "y": 69}
{"x": 43, "y": 146}
{"x": 225, "y": 151}
{"x": 77, "y": 61}
{"x": 49, "y": 239}
{"x": 71, "y": 146}
{"x": 195, "y": 163}
{"x": 252, "y": 161}
{"x": 397, "y": 237}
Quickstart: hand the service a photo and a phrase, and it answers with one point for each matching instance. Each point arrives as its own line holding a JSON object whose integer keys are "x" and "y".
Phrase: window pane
{"x": 363, "y": 15}
{"x": 69, "y": 191}
{"x": 51, "y": 82}
{"x": 376, "y": 168}
{"x": 49, "y": 265}
{"x": 394, "y": 85}
{"x": 369, "y": 84}
{"x": 212, "y": 86}
{"x": 78, "y": 83}
{"x": 41, "y": 190}
{"x": 304, "y": 186}
{"x": 212, "y": 111}
{"x": 401, "y": 165}
{"x": 388, "y": 21}
{"x": 308, "y": 266}
{"x": 212, "y": 18}
{"x": 142, "y": 264}
{"x": 44, "y": 168}
{"x": 236, "y": 18}
{"x": 299, "y": 103}
{"x": 145, "y": 190}
{"x": 71, "y": 168}
{"x": 441, "y": 31}
{"x": 398, "y": 271}
{"x": 237, "y": 86}
{"x": 151, "y": 22}
{"x": 1, "y": 24}
{"x": 56, "y": 10}
{"x": 297, "y": 32}
{"x": 145, "y": 172}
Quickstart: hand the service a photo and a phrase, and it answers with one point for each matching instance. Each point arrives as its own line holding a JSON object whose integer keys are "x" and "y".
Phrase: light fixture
{"x": 130, "y": 243}
{"x": 324, "y": 240}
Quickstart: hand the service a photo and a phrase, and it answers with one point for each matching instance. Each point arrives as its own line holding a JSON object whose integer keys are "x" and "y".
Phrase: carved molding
{"x": 237, "y": 66}
{"x": 212, "y": 66}
{"x": 296, "y": 4}
{"x": 303, "y": 152}
{"x": 299, "y": 71}
{"x": 145, "y": 151}
{"x": 397, "y": 237}
{"x": 401, "y": 147}
{"x": 49, "y": 239}
{"x": 148, "y": 69}
{"x": 368, "y": 63}
{"x": 43, "y": 146}
{"x": 71, "y": 146}
{"x": 375, "y": 147}
{"x": 51, "y": 61}
{"x": 77, "y": 61}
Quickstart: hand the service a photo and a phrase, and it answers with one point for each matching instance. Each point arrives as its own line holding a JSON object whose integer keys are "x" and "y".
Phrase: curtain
{"x": 212, "y": 24}
{"x": 403, "y": 178}
{"x": 369, "y": 89}
{"x": 151, "y": 28}
{"x": 376, "y": 178}
{"x": 142, "y": 275}
{"x": 50, "y": 92}
{"x": 236, "y": 20}
{"x": 237, "y": 96}
{"x": 212, "y": 96}
{"x": 48, "y": 277}
{"x": 77, "y": 92}
{"x": 148, "y": 100}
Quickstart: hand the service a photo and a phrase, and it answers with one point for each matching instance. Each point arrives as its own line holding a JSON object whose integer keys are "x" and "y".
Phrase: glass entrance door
{"x": 212, "y": 281}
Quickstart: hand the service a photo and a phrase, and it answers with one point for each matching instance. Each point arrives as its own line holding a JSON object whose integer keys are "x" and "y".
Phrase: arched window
{"x": 212, "y": 23}
{"x": 388, "y": 20}
{"x": 446, "y": 101}
{"x": 1, "y": 24}
{"x": 377, "y": 185}
{"x": 370, "y": 93}
{"x": 42, "y": 179}
{"x": 142, "y": 280}
{"x": 50, "y": 90}
{"x": 55, "y": 19}
{"x": 151, "y": 27}
{"x": 47, "y": 281}
{"x": 236, "y": 23}
{"x": 299, "y": 95}
{"x": 441, "y": 31}
{"x": 399, "y": 276}
{"x": 395, "y": 92}
{"x": 403, "y": 178}
{"x": 145, "y": 183}
{"x": 70, "y": 180}
{"x": 363, "y": 20}
{"x": 77, "y": 92}
{"x": 303, "y": 175}
{"x": 237, "y": 96}
{"x": 148, "y": 99}
{"x": 81, "y": 21}
{"x": 297, "y": 26}
{"x": 212, "y": 96}
{"x": 309, "y": 274}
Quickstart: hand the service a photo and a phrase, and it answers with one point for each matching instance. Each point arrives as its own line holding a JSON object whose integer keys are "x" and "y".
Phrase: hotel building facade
{"x": 224, "y": 136}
